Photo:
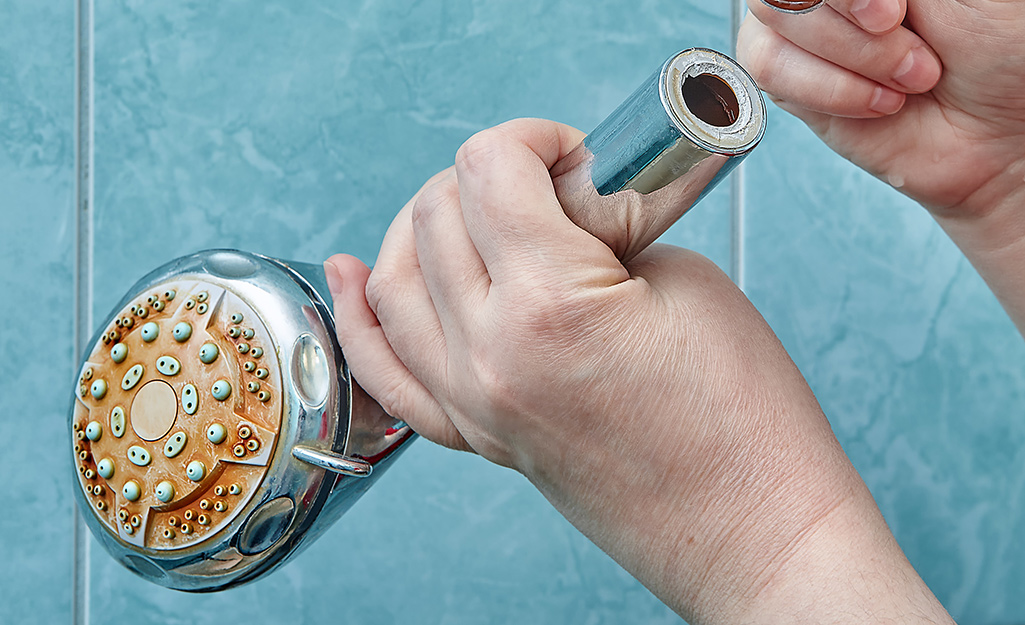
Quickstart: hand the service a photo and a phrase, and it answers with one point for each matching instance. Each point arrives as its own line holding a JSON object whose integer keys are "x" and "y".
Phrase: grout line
{"x": 737, "y": 223}
{"x": 83, "y": 270}
{"x": 737, "y": 178}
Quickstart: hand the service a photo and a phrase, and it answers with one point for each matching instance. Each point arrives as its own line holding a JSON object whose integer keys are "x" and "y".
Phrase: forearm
{"x": 848, "y": 570}
{"x": 781, "y": 531}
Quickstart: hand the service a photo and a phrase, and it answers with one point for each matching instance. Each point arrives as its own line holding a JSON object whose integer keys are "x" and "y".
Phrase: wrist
{"x": 989, "y": 216}
{"x": 847, "y": 568}
{"x": 744, "y": 527}
{"x": 989, "y": 228}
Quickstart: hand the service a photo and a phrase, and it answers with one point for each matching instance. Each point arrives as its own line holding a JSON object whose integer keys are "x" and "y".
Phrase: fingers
{"x": 453, "y": 271}
{"x": 791, "y": 74}
{"x": 874, "y": 16}
{"x": 374, "y": 364}
{"x": 899, "y": 59}
{"x": 509, "y": 204}
{"x": 398, "y": 297}
{"x": 401, "y": 303}
{"x": 828, "y": 61}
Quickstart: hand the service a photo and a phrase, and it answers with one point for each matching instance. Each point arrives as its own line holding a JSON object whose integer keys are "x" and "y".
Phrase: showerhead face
{"x": 198, "y": 410}
{"x": 178, "y": 412}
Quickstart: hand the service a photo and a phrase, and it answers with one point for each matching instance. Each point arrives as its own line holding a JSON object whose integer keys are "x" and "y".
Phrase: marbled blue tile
{"x": 913, "y": 360}
{"x": 295, "y": 129}
{"x": 298, "y": 129}
{"x": 36, "y": 250}
{"x": 442, "y": 538}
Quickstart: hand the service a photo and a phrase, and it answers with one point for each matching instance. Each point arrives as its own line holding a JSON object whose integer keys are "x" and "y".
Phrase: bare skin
{"x": 947, "y": 128}
{"x": 650, "y": 402}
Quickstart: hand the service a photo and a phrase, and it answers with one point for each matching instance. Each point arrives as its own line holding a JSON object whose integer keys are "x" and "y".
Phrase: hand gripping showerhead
{"x": 215, "y": 428}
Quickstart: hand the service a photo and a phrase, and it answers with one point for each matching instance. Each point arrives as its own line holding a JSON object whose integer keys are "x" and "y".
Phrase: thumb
{"x": 629, "y": 220}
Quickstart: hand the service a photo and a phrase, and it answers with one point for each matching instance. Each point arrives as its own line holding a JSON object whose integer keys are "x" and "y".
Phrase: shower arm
{"x": 666, "y": 147}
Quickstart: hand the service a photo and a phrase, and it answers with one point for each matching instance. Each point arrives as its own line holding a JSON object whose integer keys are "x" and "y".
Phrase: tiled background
{"x": 297, "y": 128}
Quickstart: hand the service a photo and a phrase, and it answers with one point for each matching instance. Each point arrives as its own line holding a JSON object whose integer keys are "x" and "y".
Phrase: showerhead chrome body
{"x": 216, "y": 427}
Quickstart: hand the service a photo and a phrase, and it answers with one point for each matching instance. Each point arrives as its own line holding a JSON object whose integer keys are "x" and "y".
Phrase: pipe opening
{"x": 711, "y": 100}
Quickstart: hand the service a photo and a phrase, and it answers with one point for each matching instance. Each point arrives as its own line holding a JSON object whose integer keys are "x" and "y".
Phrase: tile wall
{"x": 37, "y": 250}
{"x": 912, "y": 358}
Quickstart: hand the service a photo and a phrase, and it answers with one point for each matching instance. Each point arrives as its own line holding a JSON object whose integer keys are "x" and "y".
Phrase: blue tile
{"x": 36, "y": 246}
{"x": 911, "y": 357}
{"x": 442, "y": 538}
{"x": 298, "y": 129}
{"x": 301, "y": 128}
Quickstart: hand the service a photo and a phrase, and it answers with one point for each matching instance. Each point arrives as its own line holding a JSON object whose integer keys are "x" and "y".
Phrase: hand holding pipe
{"x": 216, "y": 431}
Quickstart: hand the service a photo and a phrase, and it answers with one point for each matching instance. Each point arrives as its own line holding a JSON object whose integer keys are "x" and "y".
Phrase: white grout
{"x": 737, "y": 198}
{"x": 83, "y": 271}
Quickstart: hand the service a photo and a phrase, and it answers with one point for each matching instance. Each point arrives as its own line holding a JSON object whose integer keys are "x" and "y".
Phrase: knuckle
{"x": 432, "y": 198}
{"x": 763, "y": 63}
{"x": 480, "y": 151}
{"x": 835, "y": 90}
{"x": 760, "y": 50}
{"x": 390, "y": 398}
{"x": 495, "y": 379}
{"x": 380, "y": 283}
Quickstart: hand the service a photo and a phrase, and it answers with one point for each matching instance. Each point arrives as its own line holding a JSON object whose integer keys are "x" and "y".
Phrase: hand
{"x": 928, "y": 95}
{"x": 649, "y": 402}
{"x": 866, "y": 76}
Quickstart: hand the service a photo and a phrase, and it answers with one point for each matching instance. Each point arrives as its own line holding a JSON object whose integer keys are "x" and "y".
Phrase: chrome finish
{"x": 794, "y": 6}
{"x": 333, "y": 462}
{"x": 319, "y": 424}
{"x": 659, "y": 154}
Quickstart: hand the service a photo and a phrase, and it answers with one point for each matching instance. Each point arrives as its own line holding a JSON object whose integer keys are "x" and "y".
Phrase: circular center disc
{"x": 154, "y": 410}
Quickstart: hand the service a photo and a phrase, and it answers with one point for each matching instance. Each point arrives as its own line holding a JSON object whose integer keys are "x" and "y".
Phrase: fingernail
{"x": 334, "y": 278}
{"x": 886, "y": 101}
{"x": 876, "y": 16}
{"x": 917, "y": 71}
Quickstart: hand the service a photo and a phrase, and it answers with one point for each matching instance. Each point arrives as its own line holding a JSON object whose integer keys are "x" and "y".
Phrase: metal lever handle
{"x": 333, "y": 462}
{"x": 672, "y": 141}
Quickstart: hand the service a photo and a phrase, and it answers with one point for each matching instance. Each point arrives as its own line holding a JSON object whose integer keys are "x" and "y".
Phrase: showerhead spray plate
{"x": 177, "y": 415}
